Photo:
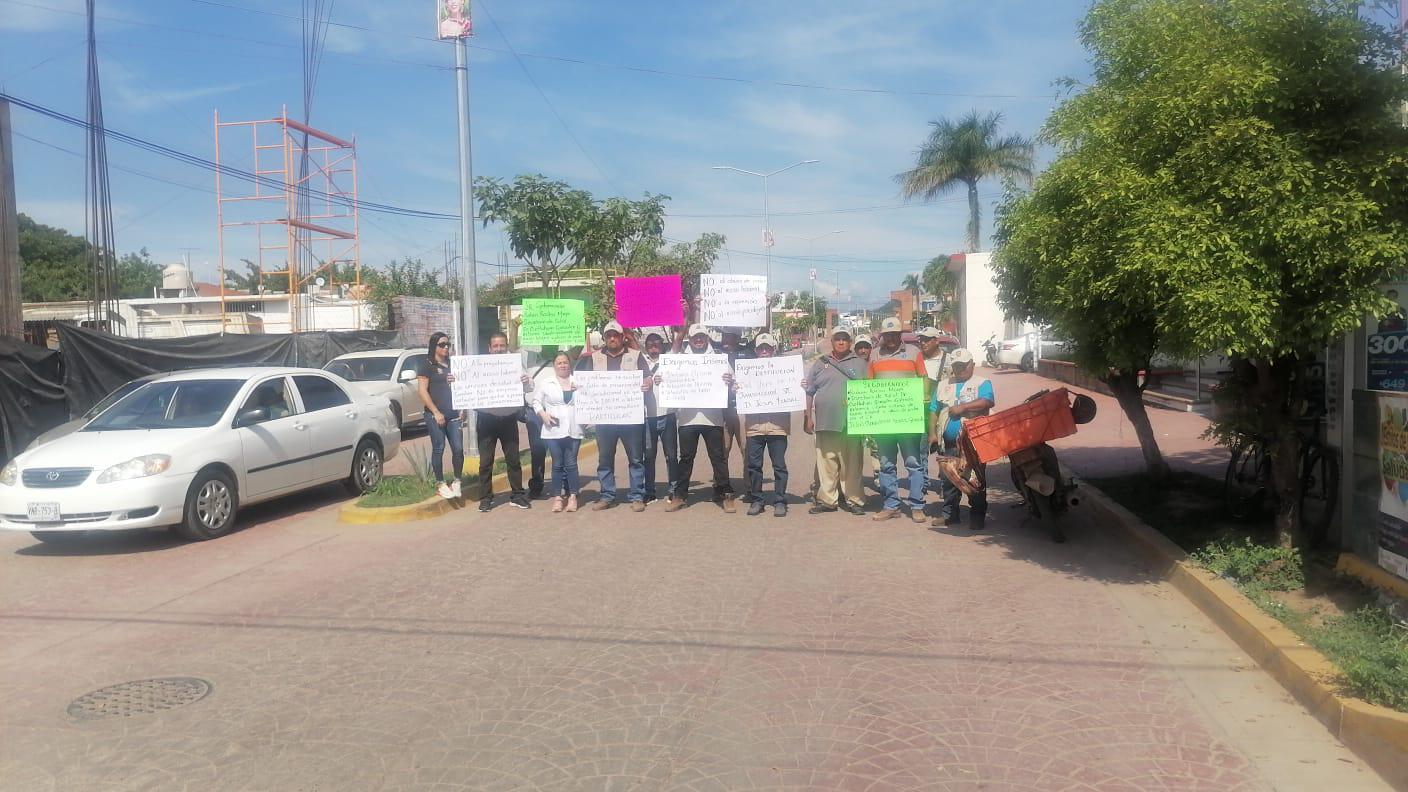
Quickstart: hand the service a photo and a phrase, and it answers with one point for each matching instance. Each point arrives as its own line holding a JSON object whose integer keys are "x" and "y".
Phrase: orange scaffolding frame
{"x": 285, "y": 237}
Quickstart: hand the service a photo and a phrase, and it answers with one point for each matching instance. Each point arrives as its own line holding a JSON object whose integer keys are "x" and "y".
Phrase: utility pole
{"x": 11, "y": 308}
{"x": 459, "y": 29}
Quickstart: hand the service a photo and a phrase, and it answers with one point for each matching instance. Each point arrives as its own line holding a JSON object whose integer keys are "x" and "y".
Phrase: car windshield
{"x": 180, "y": 404}
{"x": 112, "y": 398}
{"x": 365, "y": 369}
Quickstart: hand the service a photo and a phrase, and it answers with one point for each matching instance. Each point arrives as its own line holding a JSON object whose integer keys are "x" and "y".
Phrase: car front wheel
{"x": 366, "y": 468}
{"x": 211, "y": 504}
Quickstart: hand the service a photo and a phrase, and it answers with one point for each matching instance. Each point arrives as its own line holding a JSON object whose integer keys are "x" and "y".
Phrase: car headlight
{"x": 9, "y": 474}
{"x": 142, "y": 466}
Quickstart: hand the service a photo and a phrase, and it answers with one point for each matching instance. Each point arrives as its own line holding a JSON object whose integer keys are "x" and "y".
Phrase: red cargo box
{"x": 1047, "y": 418}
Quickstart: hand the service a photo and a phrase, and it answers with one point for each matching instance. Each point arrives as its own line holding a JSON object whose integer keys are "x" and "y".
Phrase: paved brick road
{"x": 697, "y": 651}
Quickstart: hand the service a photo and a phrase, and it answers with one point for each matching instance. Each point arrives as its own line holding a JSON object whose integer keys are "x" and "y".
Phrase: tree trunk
{"x": 974, "y": 227}
{"x": 1281, "y": 388}
{"x": 1130, "y": 395}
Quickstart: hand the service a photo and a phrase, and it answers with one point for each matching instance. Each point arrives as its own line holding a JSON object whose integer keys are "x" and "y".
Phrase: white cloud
{"x": 60, "y": 15}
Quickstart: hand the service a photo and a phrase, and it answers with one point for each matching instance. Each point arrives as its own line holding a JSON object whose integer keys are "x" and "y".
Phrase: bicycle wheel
{"x": 1319, "y": 492}
{"x": 1244, "y": 485}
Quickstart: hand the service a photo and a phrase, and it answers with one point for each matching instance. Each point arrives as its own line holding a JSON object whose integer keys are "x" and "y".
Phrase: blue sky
{"x": 167, "y": 65}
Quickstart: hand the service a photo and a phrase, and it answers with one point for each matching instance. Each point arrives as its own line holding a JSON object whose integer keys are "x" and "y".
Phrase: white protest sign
{"x": 692, "y": 381}
{"x": 609, "y": 397}
{"x": 486, "y": 381}
{"x": 733, "y": 300}
{"x": 770, "y": 385}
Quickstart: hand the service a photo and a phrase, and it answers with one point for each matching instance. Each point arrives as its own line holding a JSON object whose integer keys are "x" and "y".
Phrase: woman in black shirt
{"x": 442, "y": 420}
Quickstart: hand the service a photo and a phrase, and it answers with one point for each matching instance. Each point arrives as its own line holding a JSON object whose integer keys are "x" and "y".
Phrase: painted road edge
{"x": 428, "y": 509}
{"x": 1378, "y": 735}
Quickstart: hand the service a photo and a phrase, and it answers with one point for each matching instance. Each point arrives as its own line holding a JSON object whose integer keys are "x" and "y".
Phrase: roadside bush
{"x": 1372, "y": 651}
{"x": 1248, "y": 563}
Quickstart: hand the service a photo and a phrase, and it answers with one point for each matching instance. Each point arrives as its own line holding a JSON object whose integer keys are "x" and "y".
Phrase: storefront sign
{"x": 1393, "y": 484}
{"x": 1388, "y": 345}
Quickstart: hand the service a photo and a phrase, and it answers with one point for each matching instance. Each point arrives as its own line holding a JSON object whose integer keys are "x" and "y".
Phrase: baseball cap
{"x": 864, "y": 339}
{"x": 835, "y": 331}
{"x": 613, "y": 327}
{"x": 960, "y": 355}
{"x": 930, "y": 332}
{"x": 698, "y": 329}
{"x": 765, "y": 339}
{"x": 891, "y": 325}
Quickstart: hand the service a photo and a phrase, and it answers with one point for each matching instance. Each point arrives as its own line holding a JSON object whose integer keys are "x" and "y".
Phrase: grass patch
{"x": 1337, "y": 615}
{"x": 398, "y": 491}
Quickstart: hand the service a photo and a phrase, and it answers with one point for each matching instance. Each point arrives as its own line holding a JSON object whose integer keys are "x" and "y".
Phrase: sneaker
{"x": 638, "y": 506}
{"x": 917, "y": 515}
{"x": 445, "y": 491}
{"x": 520, "y": 501}
{"x": 571, "y": 503}
{"x": 858, "y": 511}
{"x": 756, "y": 508}
{"x": 603, "y": 505}
{"x": 817, "y": 509}
{"x": 675, "y": 504}
{"x": 729, "y": 505}
{"x": 486, "y": 504}
{"x": 557, "y": 504}
{"x": 455, "y": 489}
{"x": 779, "y": 509}
{"x": 885, "y": 514}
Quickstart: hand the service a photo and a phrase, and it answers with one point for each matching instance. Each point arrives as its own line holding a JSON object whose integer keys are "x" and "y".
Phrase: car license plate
{"x": 44, "y": 512}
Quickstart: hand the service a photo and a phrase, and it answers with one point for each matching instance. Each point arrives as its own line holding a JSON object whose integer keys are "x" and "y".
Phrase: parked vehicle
{"x": 69, "y": 427}
{"x": 1021, "y": 434}
{"x": 990, "y": 351}
{"x": 190, "y": 448}
{"x": 1025, "y": 350}
{"x": 390, "y": 373}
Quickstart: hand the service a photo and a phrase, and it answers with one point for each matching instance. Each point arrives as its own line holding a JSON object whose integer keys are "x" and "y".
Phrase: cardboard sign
{"x": 769, "y": 385}
{"x": 885, "y": 406}
{"x": 484, "y": 381}
{"x": 609, "y": 398}
{"x": 553, "y": 323}
{"x": 649, "y": 302}
{"x": 733, "y": 300}
{"x": 692, "y": 381}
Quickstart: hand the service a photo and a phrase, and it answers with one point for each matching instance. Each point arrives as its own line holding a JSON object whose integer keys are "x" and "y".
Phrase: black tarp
{"x": 95, "y": 363}
{"x": 32, "y": 398}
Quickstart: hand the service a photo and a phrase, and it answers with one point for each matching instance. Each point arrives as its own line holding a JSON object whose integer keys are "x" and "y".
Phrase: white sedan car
{"x": 390, "y": 373}
{"x": 1025, "y": 350}
{"x": 189, "y": 448}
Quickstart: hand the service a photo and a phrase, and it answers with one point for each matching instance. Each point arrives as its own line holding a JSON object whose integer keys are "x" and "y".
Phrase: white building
{"x": 979, "y": 316}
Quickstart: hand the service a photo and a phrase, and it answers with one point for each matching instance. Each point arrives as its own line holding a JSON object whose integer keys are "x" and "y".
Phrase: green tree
{"x": 1245, "y": 160}
{"x": 810, "y": 318}
{"x": 53, "y": 264}
{"x": 689, "y": 260}
{"x": 964, "y": 152}
{"x": 940, "y": 282}
{"x": 406, "y": 278}
{"x": 251, "y": 279}
{"x": 137, "y": 275}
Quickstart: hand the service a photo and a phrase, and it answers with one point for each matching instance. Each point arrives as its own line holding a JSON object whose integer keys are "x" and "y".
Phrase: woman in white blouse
{"x": 561, "y": 432}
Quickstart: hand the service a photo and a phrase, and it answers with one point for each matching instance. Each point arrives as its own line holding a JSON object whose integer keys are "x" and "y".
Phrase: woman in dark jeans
{"x": 442, "y": 420}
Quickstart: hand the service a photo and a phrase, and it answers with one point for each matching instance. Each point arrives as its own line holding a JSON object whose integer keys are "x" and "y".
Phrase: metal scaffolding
{"x": 295, "y": 224}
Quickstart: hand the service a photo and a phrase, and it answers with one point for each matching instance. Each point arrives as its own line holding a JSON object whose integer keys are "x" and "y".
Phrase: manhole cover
{"x": 142, "y": 697}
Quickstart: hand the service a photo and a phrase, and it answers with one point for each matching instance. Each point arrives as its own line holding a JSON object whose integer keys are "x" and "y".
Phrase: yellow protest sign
{"x": 552, "y": 323}
{"x": 885, "y": 406}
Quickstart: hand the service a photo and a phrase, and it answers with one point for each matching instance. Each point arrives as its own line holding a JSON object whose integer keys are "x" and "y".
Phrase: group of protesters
{"x": 952, "y": 393}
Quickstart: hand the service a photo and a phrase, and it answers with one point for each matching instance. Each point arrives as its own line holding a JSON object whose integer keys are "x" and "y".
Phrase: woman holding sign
{"x": 561, "y": 432}
{"x": 442, "y": 420}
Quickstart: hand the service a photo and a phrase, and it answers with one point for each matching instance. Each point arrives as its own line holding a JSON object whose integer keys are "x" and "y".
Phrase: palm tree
{"x": 912, "y": 285}
{"x": 965, "y": 152}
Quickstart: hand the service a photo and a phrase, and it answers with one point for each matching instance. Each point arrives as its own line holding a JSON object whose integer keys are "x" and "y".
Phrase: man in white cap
{"x": 895, "y": 359}
{"x": 766, "y": 432}
{"x": 864, "y": 346}
{"x": 935, "y": 358}
{"x": 660, "y": 428}
{"x": 614, "y": 356}
{"x": 960, "y": 396}
{"x": 705, "y": 424}
{"x": 838, "y": 459}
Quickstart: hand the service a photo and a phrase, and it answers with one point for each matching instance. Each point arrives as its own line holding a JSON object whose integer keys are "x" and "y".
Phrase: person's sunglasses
{"x": 443, "y": 345}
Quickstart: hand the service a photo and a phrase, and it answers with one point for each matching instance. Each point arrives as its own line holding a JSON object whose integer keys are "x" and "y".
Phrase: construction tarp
{"x": 32, "y": 398}
{"x": 95, "y": 363}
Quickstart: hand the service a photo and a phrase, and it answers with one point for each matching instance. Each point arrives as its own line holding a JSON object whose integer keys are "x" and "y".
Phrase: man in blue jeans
{"x": 894, "y": 359}
{"x": 614, "y": 356}
{"x": 660, "y": 428}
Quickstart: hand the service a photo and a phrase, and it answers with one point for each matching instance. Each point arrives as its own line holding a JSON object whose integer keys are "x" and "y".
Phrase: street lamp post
{"x": 767, "y": 226}
{"x": 811, "y": 262}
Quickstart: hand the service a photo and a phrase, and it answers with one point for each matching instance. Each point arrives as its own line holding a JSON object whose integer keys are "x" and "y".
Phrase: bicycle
{"x": 1249, "y": 491}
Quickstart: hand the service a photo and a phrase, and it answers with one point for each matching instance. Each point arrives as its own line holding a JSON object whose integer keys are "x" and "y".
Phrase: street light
{"x": 767, "y": 227}
{"x": 811, "y": 263}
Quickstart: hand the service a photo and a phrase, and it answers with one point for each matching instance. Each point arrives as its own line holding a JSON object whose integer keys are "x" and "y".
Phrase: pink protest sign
{"x": 649, "y": 302}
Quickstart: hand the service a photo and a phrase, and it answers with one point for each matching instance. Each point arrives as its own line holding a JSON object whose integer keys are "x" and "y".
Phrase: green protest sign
{"x": 885, "y": 406}
{"x": 552, "y": 323}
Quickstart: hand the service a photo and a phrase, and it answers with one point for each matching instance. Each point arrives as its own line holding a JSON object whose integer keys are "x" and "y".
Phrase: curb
{"x": 428, "y": 509}
{"x": 1370, "y": 575}
{"x": 1378, "y": 735}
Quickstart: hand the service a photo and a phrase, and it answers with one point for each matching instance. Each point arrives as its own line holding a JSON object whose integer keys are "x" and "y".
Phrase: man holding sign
{"x": 614, "y": 356}
{"x": 895, "y": 359}
{"x": 499, "y": 425}
{"x": 700, "y": 416}
{"x": 766, "y": 397}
